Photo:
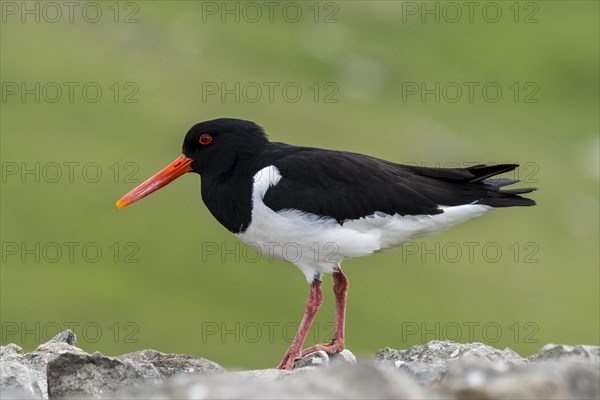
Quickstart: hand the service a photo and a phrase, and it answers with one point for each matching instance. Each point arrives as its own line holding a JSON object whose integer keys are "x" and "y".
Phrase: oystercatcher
{"x": 317, "y": 207}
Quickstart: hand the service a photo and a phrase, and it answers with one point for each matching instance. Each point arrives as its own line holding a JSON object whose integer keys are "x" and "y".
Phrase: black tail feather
{"x": 501, "y": 198}
{"x": 482, "y": 171}
{"x": 500, "y": 182}
{"x": 455, "y": 186}
{"x": 520, "y": 191}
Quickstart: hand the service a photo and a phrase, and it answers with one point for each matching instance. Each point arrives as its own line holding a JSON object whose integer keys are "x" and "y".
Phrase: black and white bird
{"x": 323, "y": 205}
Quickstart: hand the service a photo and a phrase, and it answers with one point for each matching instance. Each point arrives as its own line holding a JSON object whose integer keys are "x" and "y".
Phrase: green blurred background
{"x": 154, "y": 61}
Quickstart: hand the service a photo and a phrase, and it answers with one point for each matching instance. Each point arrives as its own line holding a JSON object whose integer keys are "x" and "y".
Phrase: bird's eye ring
{"x": 205, "y": 139}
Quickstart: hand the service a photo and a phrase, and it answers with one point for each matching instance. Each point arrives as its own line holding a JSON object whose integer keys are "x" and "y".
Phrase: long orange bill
{"x": 180, "y": 166}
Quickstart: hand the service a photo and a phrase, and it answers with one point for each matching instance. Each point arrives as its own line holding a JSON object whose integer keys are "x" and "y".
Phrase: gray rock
{"x": 57, "y": 369}
{"x": 429, "y": 363}
{"x": 16, "y": 394}
{"x": 436, "y": 370}
{"x": 321, "y": 359}
{"x": 345, "y": 356}
{"x": 423, "y": 373}
{"x": 362, "y": 381}
{"x": 10, "y": 351}
{"x": 316, "y": 359}
{"x": 84, "y": 375}
{"x": 17, "y": 378}
{"x": 27, "y": 372}
{"x": 169, "y": 365}
{"x": 544, "y": 380}
{"x": 470, "y": 372}
{"x": 564, "y": 352}
{"x": 38, "y": 360}
{"x": 67, "y": 337}
{"x": 270, "y": 374}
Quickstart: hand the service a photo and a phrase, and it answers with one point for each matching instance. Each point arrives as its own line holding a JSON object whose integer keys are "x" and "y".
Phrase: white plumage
{"x": 317, "y": 244}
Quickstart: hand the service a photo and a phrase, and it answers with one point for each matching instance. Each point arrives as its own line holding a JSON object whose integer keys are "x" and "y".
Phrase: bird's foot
{"x": 335, "y": 346}
{"x": 288, "y": 360}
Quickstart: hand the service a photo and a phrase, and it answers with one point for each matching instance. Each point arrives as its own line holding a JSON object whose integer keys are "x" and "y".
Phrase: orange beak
{"x": 180, "y": 166}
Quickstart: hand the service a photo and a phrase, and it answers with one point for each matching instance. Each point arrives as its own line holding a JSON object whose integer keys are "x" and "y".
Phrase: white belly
{"x": 316, "y": 245}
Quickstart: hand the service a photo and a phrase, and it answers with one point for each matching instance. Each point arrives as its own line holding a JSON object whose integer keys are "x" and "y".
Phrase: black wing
{"x": 346, "y": 186}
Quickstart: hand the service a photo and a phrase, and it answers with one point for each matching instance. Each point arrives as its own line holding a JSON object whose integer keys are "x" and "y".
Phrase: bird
{"x": 316, "y": 207}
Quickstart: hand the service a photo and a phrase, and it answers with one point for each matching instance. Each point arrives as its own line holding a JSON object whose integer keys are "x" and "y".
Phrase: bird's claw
{"x": 288, "y": 360}
{"x": 335, "y": 346}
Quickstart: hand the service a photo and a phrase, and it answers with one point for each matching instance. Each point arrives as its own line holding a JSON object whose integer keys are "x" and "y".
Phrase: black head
{"x": 218, "y": 144}
{"x": 210, "y": 148}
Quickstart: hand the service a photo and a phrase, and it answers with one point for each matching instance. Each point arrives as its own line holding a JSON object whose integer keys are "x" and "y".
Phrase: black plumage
{"x": 348, "y": 186}
{"x": 331, "y": 184}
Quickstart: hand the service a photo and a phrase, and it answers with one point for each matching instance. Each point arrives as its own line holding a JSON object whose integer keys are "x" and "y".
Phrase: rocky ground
{"x": 437, "y": 370}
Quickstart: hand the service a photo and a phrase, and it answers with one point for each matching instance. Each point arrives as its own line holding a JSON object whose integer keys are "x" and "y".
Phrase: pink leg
{"x": 315, "y": 298}
{"x": 340, "y": 288}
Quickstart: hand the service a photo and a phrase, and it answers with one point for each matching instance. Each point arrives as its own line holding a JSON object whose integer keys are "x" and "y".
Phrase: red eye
{"x": 205, "y": 139}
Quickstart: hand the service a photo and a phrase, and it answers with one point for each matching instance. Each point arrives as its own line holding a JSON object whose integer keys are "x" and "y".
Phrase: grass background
{"x": 221, "y": 308}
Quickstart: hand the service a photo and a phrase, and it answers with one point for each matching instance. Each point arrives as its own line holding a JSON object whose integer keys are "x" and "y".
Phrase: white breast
{"x": 317, "y": 244}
